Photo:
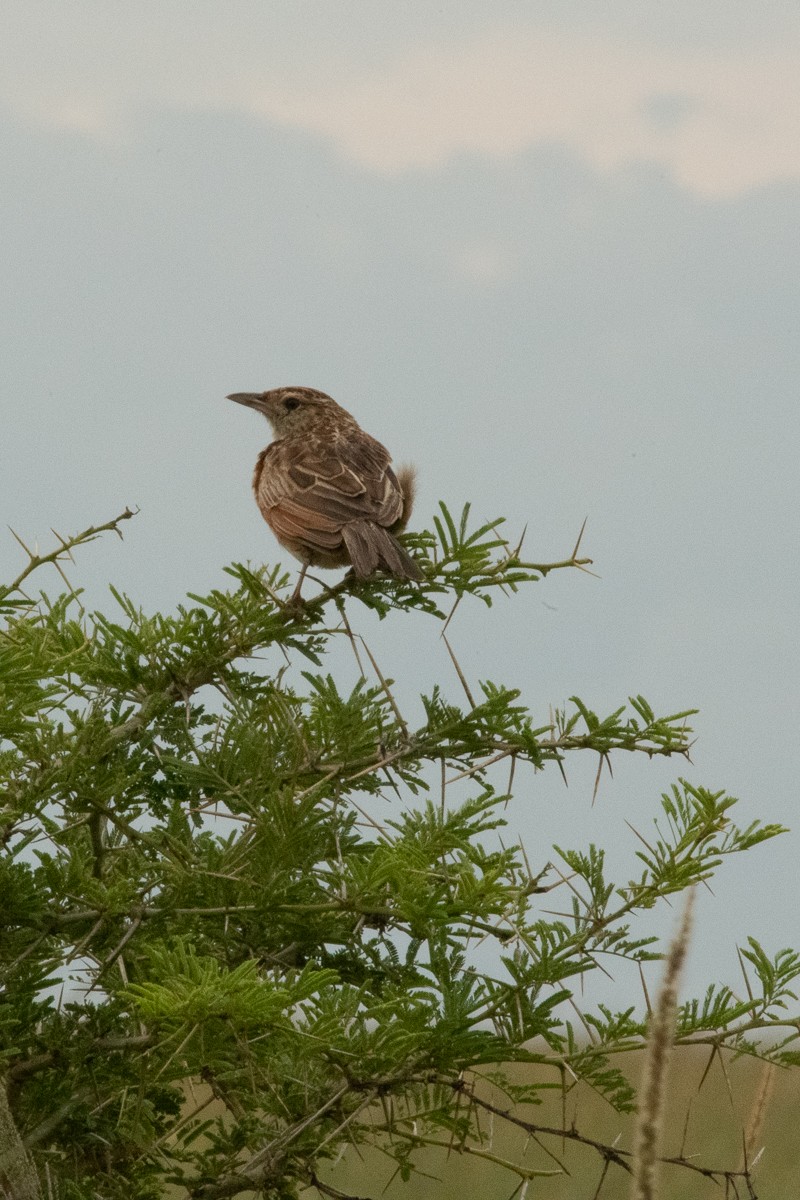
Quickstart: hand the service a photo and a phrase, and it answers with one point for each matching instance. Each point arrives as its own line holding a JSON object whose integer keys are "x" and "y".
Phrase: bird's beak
{"x": 249, "y": 399}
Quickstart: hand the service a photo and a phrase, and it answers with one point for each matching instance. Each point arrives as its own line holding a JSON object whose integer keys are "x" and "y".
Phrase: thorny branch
{"x": 63, "y": 550}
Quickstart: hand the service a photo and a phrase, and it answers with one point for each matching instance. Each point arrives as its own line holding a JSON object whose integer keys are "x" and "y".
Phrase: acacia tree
{"x": 222, "y": 961}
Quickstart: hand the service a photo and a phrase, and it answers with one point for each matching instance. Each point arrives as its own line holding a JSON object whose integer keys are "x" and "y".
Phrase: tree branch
{"x": 64, "y": 550}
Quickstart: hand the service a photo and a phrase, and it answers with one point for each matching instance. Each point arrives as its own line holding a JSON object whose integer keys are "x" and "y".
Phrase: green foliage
{"x": 221, "y": 961}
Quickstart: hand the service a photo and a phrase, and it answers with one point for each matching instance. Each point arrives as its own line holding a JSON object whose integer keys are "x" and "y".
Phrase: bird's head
{"x": 293, "y": 410}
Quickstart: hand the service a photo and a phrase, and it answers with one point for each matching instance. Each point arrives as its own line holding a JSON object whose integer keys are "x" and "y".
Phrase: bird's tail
{"x": 407, "y": 480}
{"x": 372, "y": 548}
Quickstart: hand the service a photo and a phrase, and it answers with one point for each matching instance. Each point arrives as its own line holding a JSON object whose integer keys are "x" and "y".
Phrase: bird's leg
{"x": 295, "y": 596}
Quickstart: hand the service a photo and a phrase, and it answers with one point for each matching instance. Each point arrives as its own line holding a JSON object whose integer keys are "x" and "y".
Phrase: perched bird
{"x": 326, "y": 489}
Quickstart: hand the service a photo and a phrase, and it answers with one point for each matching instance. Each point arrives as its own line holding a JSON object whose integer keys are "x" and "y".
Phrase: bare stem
{"x": 63, "y": 550}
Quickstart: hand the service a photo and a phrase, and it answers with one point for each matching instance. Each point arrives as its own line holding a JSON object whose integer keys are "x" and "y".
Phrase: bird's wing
{"x": 309, "y": 492}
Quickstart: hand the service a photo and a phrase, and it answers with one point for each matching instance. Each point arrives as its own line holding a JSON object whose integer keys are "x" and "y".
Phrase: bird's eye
{"x": 291, "y": 403}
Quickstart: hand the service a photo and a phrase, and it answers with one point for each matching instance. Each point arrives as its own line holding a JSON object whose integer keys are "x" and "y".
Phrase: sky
{"x": 547, "y": 251}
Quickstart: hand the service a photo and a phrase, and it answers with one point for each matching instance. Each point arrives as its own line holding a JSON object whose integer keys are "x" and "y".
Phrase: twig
{"x": 65, "y": 549}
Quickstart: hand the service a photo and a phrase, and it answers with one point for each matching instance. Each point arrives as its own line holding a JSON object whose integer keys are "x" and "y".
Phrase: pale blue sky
{"x": 548, "y": 251}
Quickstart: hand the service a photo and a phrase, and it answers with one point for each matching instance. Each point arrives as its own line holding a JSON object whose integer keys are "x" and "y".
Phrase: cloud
{"x": 731, "y": 123}
{"x": 718, "y": 118}
{"x": 669, "y": 110}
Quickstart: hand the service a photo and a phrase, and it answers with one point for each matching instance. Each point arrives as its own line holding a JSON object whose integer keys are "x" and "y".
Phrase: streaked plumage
{"x": 327, "y": 489}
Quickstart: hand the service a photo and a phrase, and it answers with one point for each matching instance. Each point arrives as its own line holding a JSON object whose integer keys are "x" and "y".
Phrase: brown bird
{"x": 326, "y": 489}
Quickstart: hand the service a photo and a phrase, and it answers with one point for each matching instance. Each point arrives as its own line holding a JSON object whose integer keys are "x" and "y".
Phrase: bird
{"x": 326, "y": 487}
